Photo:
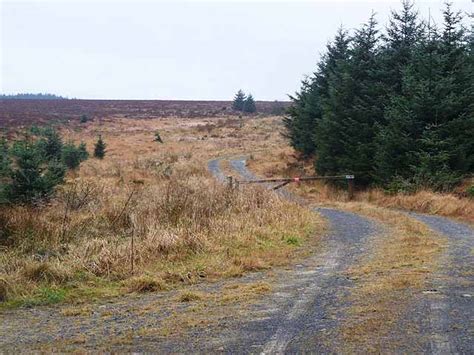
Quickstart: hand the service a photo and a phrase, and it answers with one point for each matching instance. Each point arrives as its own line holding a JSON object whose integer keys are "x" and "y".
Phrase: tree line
{"x": 30, "y": 96}
{"x": 395, "y": 108}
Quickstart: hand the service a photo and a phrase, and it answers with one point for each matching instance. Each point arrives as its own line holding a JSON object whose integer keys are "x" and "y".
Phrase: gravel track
{"x": 450, "y": 303}
{"x": 300, "y": 315}
{"x": 444, "y": 313}
{"x": 313, "y": 292}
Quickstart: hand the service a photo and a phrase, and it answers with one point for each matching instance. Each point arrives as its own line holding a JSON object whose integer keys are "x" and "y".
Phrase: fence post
{"x": 350, "y": 185}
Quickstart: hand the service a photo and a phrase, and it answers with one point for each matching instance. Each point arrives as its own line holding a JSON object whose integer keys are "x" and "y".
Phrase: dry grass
{"x": 184, "y": 226}
{"x": 207, "y": 309}
{"x": 397, "y": 269}
{"x": 144, "y": 283}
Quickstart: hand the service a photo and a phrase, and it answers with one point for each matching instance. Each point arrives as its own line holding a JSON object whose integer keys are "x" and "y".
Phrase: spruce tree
{"x": 32, "y": 179}
{"x": 402, "y": 35}
{"x": 306, "y": 110}
{"x": 239, "y": 101}
{"x": 72, "y": 156}
{"x": 50, "y": 144}
{"x": 83, "y": 153}
{"x": 249, "y": 104}
{"x": 397, "y": 112}
{"x": 99, "y": 148}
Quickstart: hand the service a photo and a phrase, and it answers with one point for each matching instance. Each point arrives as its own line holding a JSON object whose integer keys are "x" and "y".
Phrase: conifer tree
{"x": 239, "y": 101}
{"x": 249, "y": 104}
{"x": 402, "y": 35}
{"x": 397, "y": 112}
{"x": 32, "y": 179}
{"x": 84, "y": 154}
{"x": 306, "y": 110}
{"x": 99, "y": 148}
{"x": 50, "y": 144}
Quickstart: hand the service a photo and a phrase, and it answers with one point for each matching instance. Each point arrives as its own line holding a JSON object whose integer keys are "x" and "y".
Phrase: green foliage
{"x": 32, "y": 167}
{"x": 84, "y": 119}
{"x": 84, "y": 154}
{"x": 32, "y": 179}
{"x": 158, "y": 137}
{"x": 249, "y": 104}
{"x": 99, "y": 148}
{"x": 50, "y": 144}
{"x": 239, "y": 101}
{"x": 291, "y": 240}
{"x": 394, "y": 109}
{"x": 72, "y": 156}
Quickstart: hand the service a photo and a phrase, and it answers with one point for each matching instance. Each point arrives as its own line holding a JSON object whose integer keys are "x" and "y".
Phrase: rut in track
{"x": 307, "y": 305}
{"x": 444, "y": 313}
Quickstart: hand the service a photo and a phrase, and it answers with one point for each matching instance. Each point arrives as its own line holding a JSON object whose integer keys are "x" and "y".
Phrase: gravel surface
{"x": 449, "y": 303}
{"x": 306, "y": 306}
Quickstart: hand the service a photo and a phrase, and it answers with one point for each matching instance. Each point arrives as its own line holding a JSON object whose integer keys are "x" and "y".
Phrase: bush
{"x": 32, "y": 179}
{"x": 39, "y": 165}
{"x": 50, "y": 144}
{"x": 72, "y": 156}
{"x": 84, "y": 119}
{"x": 99, "y": 148}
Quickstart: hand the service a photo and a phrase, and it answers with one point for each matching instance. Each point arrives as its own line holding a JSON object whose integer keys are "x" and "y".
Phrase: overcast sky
{"x": 174, "y": 49}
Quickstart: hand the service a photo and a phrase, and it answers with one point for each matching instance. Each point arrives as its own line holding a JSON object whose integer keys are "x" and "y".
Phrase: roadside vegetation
{"x": 146, "y": 217}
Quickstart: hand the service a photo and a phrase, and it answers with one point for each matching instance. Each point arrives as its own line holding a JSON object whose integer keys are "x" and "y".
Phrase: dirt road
{"x": 299, "y": 309}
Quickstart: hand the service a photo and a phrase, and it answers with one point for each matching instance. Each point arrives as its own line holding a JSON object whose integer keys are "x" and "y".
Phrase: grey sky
{"x": 174, "y": 49}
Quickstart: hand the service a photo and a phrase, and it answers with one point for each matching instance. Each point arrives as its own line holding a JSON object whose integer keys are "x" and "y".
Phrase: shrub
{"x": 72, "y": 156}
{"x": 99, "y": 148}
{"x": 50, "y": 144}
{"x": 84, "y": 154}
{"x": 84, "y": 119}
{"x": 32, "y": 178}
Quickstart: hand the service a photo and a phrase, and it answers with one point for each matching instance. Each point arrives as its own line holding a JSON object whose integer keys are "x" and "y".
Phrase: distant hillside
{"x": 29, "y": 96}
{"x": 14, "y": 113}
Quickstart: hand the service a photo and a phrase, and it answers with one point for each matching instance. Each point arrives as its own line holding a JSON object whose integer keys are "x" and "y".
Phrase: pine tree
{"x": 391, "y": 113}
{"x": 306, "y": 110}
{"x": 364, "y": 104}
{"x": 249, "y": 104}
{"x": 32, "y": 179}
{"x": 50, "y": 144}
{"x": 99, "y": 148}
{"x": 72, "y": 156}
{"x": 83, "y": 153}
{"x": 403, "y": 33}
{"x": 239, "y": 101}
{"x": 336, "y": 97}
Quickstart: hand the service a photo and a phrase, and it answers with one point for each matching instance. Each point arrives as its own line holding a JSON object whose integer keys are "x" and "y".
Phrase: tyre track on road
{"x": 450, "y": 303}
{"x": 314, "y": 310}
{"x": 447, "y": 309}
